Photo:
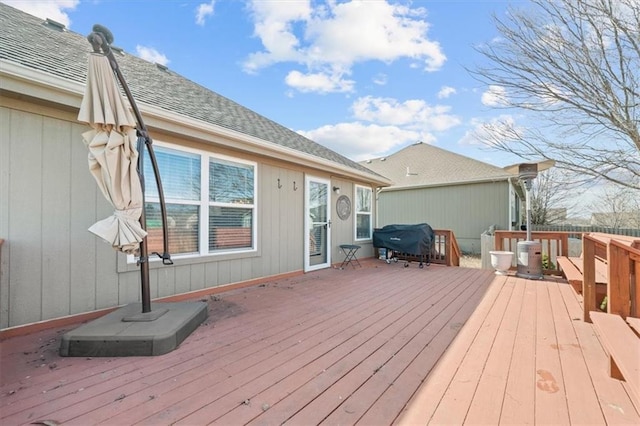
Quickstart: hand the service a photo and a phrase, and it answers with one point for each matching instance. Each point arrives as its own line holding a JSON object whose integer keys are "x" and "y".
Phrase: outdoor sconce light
{"x": 336, "y": 189}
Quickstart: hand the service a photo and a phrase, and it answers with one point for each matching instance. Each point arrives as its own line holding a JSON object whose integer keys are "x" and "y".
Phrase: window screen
{"x": 363, "y": 214}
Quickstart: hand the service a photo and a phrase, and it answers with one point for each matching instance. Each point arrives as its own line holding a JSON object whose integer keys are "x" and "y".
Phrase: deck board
{"x": 453, "y": 407}
{"x": 492, "y": 383}
{"x": 387, "y": 379}
{"x": 614, "y": 406}
{"x": 381, "y": 344}
{"x": 557, "y": 368}
{"x": 425, "y": 400}
{"x": 582, "y": 400}
{"x": 518, "y": 406}
{"x": 413, "y": 375}
{"x": 551, "y": 398}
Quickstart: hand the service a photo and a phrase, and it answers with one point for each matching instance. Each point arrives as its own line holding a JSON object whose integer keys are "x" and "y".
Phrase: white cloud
{"x": 52, "y": 9}
{"x": 360, "y": 142}
{"x": 492, "y": 132}
{"x": 413, "y": 113}
{"x": 335, "y": 35}
{"x": 318, "y": 82}
{"x": 274, "y": 25}
{"x": 203, "y": 11}
{"x": 380, "y": 79}
{"x": 494, "y": 96}
{"x": 446, "y": 91}
{"x": 152, "y": 55}
{"x": 384, "y": 125}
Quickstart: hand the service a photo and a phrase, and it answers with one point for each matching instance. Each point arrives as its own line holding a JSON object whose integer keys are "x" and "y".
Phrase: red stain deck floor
{"x": 353, "y": 346}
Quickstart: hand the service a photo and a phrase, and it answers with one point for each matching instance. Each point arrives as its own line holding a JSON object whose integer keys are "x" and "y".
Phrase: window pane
{"x": 230, "y": 228}
{"x": 182, "y": 221}
{"x": 363, "y": 213}
{"x": 318, "y": 200}
{"x": 230, "y": 182}
{"x": 363, "y": 226}
{"x": 179, "y": 171}
{"x": 363, "y": 200}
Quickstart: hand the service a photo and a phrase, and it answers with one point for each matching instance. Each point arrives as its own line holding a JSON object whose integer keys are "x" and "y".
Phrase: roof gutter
{"x": 441, "y": 184}
{"x": 229, "y": 138}
{"x": 21, "y": 79}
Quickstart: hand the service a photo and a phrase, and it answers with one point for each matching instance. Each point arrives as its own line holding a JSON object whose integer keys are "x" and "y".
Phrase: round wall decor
{"x": 343, "y": 207}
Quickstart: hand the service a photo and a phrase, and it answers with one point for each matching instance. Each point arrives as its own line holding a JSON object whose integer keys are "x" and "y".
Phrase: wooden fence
{"x": 578, "y": 230}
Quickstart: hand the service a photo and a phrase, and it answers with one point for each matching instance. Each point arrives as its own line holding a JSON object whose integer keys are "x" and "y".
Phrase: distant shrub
{"x": 547, "y": 263}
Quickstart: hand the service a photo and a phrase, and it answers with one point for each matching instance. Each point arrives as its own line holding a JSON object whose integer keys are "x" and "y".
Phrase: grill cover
{"x": 409, "y": 239}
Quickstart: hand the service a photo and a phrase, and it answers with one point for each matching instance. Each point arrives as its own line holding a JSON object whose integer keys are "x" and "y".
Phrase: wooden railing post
{"x": 445, "y": 240}
{"x": 589, "y": 276}
{"x": 564, "y": 241}
{"x": 635, "y": 288}
{"x": 619, "y": 271}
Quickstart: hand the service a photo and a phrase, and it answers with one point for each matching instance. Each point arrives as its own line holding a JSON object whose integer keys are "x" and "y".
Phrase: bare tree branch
{"x": 574, "y": 67}
{"x": 552, "y": 195}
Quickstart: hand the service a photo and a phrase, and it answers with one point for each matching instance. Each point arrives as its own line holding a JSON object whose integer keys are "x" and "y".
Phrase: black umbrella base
{"x": 129, "y": 332}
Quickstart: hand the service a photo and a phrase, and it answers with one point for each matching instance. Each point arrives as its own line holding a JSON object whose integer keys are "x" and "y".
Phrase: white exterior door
{"x": 317, "y": 246}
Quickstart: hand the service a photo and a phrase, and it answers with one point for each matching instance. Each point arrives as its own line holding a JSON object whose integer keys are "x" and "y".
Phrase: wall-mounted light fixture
{"x": 336, "y": 189}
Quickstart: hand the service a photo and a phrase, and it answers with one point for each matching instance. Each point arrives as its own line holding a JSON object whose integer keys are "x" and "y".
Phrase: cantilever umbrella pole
{"x": 100, "y": 39}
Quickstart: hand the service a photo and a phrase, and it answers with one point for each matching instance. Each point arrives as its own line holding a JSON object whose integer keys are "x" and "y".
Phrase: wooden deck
{"x": 376, "y": 345}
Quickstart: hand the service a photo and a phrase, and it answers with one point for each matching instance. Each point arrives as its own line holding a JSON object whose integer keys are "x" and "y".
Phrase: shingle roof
{"x": 422, "y": 164}
{"x": 31, "y": 42}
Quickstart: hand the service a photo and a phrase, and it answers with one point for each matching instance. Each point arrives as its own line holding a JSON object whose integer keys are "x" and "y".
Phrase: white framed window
{"x": 210, "y": 201}
{"x": 363, "y": 213}
{"x": 231, "y": 204}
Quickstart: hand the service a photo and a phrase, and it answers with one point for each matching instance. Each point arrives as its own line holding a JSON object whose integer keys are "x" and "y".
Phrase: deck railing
{"x": 553, "y": 244}
{"x": 446, "y": 247}
{"x": 622, "y": 256}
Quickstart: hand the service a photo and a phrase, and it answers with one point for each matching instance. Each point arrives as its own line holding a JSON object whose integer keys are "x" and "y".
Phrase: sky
{"x": 364, "y": 78}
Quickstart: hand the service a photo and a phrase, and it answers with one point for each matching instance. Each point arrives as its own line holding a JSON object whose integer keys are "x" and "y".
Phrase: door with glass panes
{"x": 317, "y": 253}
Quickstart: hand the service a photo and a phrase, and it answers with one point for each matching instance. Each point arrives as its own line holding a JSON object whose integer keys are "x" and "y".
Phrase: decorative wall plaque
{"x": 343, "y": 207}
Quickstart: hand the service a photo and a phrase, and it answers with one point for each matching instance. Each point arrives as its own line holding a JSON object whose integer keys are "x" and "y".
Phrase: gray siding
{"x": 52, "y": 266}
{"x": 467, "y": 210}
{"x": 48, "y": 266}
{"x": 343, "y": 231}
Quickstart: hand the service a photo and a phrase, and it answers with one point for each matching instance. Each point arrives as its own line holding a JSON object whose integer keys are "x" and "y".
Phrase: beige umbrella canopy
{"x": 113, "y": 156}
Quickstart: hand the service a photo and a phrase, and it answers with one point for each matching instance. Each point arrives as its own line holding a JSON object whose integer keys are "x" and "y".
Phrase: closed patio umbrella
{"x": 115, "y": 160}
{"x": 117, "y": 165}
{"x": 113, "y": 156}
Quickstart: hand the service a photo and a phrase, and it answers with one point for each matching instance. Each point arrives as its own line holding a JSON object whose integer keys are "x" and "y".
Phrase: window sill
{"x": 127, "y": 263}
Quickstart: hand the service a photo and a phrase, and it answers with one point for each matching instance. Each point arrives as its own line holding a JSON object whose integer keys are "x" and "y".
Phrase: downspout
{"x": 378, "y": 190}
{"x": 512, "y": 191}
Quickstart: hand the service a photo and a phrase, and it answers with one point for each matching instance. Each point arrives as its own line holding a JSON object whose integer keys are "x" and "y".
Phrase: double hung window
{"x": 210, "y": 202}
{"x": 363, "y": 216}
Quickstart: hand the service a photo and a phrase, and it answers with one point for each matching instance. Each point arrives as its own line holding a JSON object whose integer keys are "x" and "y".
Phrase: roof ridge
{"x": 64, "y": 54}
{"x": 422, "y": 164}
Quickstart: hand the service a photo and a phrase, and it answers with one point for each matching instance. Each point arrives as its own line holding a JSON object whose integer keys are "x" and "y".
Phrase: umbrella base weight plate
{"x": 146, "y": 316}
{"x": 112, "y": 336}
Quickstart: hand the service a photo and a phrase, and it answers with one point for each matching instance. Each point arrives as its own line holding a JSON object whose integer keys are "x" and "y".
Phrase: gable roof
{"x": 423, "y": 165}
{"x": 48, "y": 47}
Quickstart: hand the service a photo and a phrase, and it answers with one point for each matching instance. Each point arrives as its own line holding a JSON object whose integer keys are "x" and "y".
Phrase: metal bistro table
{"x": 349, "y": 255}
